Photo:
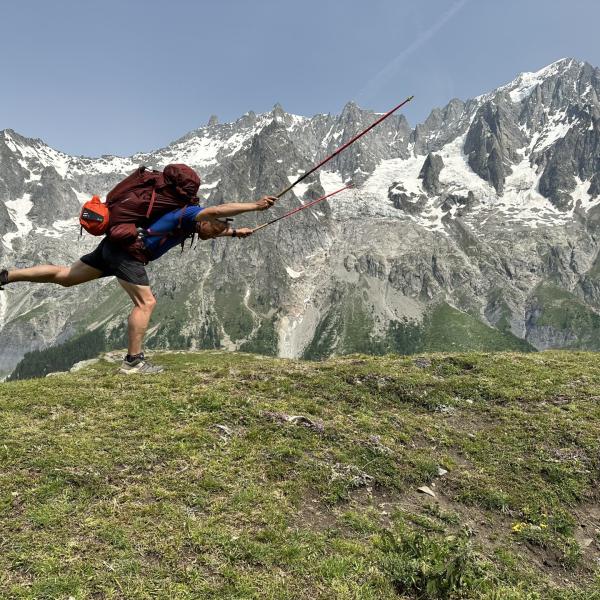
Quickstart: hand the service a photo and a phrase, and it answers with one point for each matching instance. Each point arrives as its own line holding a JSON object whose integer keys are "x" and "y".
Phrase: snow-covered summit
{"x": 520, "y": 87}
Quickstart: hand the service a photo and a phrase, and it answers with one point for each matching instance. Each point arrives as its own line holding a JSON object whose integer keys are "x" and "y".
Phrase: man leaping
{"x": 110, "y": 259}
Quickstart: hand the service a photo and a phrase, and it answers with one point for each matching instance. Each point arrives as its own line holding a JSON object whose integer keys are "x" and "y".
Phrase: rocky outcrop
{"x": 574, "y": 157}
{"x": 430, "y": 173}
{"x": 441, "y": 127}
{"x": 409, "y": 203}
{"x": 360, "y": 160}
{"x": 12, "y": 174}
{"x": 492, "y": 142}
{"x": 53, "y": 199}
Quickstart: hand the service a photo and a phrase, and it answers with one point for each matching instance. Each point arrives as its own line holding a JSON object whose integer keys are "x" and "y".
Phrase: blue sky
{"x": 116, "y": 77}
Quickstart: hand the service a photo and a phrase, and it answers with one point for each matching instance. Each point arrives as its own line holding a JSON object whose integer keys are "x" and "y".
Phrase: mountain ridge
{"x": 252, "y": 114}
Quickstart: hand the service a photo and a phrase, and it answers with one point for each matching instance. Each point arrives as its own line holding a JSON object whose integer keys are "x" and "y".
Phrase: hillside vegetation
{"x": 345, "y": 331}
{"x": 246, "y": 477}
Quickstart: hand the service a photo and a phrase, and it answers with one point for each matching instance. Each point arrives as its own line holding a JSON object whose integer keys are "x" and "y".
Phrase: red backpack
{"x": 140, "y": 199}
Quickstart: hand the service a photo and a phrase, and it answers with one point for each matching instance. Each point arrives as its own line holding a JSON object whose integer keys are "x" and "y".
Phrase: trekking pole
{"x": 343, "y": 147}
{"x": 304, "y": 207}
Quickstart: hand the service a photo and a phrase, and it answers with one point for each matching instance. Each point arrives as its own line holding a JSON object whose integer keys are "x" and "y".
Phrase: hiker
{"x": 126, "y": 260}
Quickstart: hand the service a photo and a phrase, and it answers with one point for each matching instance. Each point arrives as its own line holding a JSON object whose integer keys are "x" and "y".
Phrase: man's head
{"x": 208, "y": 229}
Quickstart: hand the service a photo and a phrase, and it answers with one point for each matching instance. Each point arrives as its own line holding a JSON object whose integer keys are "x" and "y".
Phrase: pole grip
{"x": 287, "y": 189}
{"x": 259, "y": 227}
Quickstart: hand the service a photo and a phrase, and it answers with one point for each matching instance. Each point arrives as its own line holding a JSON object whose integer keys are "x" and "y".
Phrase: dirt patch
{"x": 587, "y": 532}
{"x": 315, "y": 516}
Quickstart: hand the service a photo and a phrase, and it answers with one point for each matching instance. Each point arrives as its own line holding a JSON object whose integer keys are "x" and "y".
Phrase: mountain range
{"x": 477, "y": 229}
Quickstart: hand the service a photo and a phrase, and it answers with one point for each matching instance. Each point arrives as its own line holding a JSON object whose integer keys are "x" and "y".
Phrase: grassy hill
{"x": 240, "y": 476}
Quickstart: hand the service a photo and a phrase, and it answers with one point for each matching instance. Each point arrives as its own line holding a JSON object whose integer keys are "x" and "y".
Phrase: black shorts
{"x": 112, "y": 260}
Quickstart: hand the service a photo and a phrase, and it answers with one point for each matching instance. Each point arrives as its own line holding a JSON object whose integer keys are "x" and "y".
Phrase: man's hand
{"x": 265, "y": 202}
{"x": 243, "y": 232}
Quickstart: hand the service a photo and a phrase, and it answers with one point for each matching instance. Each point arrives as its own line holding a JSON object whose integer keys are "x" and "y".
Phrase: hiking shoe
{"x": 3, "y": 278}
{"x": 141, "y": 366}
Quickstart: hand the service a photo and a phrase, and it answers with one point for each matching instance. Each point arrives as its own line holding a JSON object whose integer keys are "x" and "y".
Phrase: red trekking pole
{"x": 326, "y": 160}
{"x": 304, "y": 207}
{"x": 342, "y": 148}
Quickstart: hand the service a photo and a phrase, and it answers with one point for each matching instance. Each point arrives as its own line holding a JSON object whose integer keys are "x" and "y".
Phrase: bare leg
{"x": 77, "y": 273}
{"x": 144, "y": 302}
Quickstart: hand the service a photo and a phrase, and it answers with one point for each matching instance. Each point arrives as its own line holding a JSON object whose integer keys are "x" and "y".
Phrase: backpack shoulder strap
{"x": 152, "y": 198}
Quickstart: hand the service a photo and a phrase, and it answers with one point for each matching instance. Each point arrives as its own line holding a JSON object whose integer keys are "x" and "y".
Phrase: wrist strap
{"x": 234, "y": 233}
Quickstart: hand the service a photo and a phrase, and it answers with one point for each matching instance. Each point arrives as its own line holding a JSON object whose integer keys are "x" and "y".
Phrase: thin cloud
{"x": 379, "y": 80}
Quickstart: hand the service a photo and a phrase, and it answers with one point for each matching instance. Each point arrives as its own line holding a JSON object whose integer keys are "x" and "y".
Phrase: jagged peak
{"x": 11, "y": 134}
{"x": 351, "y": 108}
{"x": 439, "y": 115}
{"x": 247, "y": 119}
{"x": 555, "y": 68}
{"x": 521, "y": 86}
{"x": 277, "y": 111}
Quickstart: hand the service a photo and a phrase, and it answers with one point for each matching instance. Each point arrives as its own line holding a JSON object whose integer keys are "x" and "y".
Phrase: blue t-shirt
{"x": 167, "y": 230}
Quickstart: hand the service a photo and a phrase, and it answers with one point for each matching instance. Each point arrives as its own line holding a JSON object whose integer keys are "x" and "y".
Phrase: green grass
{"x": 236, "y": 319}
{"x": 345, "y": 329}
{"x": 448, "y": 328}
{"x": 348, "y": 328}
{"x": 193, "y": 484}
{"x": 564, "y": 312}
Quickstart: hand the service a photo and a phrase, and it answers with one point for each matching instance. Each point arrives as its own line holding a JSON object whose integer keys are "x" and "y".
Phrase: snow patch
{"x": 295, "y": 121}
{"x": 457, "y": 173}
{"x": 201, "y": 150}
{"x": 82, "y": 197}
{"x": 580, "y": 194}
{"x": 3, "y": 308}
{"x": 330, "y": 181}
{"x": 18, "y": 211}
{"x": 209, "y": 186}
{"x": 520, "y": 204}
{"x": 60, "y": 228}
{"x": 299, "y": 188}
{"x": 325, "y": 140}
{"x": 35, "y": 155}
{"x": 107, "y": 165}
{"x": 198, "y": 151}
{"x": 293, "y": 274}
{"x": 556, "y": 129}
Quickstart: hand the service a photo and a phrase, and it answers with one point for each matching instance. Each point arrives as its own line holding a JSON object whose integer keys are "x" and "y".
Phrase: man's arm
{"x": 241, "y": 232}
{"x": 235, "y": 208}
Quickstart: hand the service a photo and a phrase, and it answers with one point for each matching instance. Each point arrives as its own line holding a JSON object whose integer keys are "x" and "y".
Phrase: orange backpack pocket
{"x": 94, "y": 216}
